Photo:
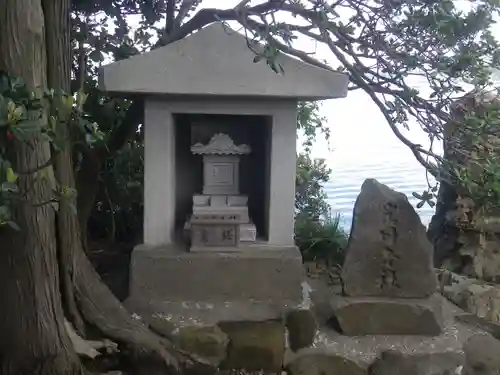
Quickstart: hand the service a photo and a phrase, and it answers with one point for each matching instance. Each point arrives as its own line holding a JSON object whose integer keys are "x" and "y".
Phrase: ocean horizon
{"x": 345, "y": 183}
{"x": 362, "y": 145}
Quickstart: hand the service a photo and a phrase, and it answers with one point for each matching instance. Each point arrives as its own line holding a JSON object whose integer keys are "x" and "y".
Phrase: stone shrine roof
{"x": 217, "y": 61}
{"x": 220, "y": 144}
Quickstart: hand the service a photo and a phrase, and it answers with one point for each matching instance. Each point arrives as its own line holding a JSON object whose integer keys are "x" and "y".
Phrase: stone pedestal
{"x": 388, "y": 273}
{"x": 359, "y": 316}
{"x": 257, "y": 280}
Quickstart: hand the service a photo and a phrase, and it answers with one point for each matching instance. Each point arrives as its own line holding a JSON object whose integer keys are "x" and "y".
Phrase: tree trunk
{"x": 33, "y": 339}
{"x": 88, "y": 186}
{"x": 81, "y": 285}
{"x": 57, "y": 14}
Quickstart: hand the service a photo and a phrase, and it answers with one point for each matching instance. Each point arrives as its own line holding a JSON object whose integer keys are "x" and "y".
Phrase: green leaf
{"x": 11, "y": 175}
{"x": 416, "y": 195}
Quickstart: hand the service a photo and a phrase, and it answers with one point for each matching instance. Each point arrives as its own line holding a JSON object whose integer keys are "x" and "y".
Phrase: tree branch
{"x": 127, "y": 129}
{"x": 358, "y": 79}
{"x": 209, "y": 15}
{"x": 184, "y": 9}
{"x": 170, "y": 17}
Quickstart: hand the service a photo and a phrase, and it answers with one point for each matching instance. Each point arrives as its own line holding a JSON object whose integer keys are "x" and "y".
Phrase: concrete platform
{"x": 267, "y": 277}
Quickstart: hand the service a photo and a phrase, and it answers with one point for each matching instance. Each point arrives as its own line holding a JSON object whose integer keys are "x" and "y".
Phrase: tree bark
{"x": 85, "y": 296}
{"x": 87, "y": 186}
{"x": 33, "y": 338}
{"x": 57, "y": 15}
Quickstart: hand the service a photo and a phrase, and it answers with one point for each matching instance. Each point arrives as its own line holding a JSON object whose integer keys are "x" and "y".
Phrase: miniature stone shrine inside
{"x": 220, "y": 164}
{"x": 220, "y": 217}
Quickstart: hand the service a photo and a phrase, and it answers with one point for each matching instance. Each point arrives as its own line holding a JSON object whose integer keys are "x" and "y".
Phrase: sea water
{"x": 345, "y": 182}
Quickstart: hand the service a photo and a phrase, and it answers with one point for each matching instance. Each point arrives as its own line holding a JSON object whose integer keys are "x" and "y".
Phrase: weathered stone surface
{"x": 255, "y": 346}
{"x": 317, "y": 363}
{"x": 302, "y": 327}
{"x": 359, "y": 316}
{"x": 486, "y": 326}
{"x": 482, "y": 356}
{"x": 209, "y": 343}
{"x": 475, "y": 296}
{"x": 396, "y": 363}
{"x": 458, "y": 227}
{"x": 388, "y": 252}
{"x": 161, "y": 326}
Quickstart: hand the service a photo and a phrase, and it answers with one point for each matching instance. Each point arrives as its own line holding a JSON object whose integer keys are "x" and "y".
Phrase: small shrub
{"x": 321, "y": 240}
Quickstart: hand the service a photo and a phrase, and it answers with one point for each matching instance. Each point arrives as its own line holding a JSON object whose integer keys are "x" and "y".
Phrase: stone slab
{"x": 201, "y": 200}
{"x": 218, "y": 200}
{"x": 482, "y": 356}
{"x": 388, "y": 253}
{"x": 237, "y": 200}
{"x": 194, "y": 313}
{"x": 368, "y": 348}
{"x": 248, "y": 232}
{"x": 255, "y": 346}
{"x": 358, "y": 316}
{"x": 393, "y": 362}
{"x": 315, "y": 362}
{"x": 210, "y": 237}
{"x": 217, "y": 61}
{"x": 241, "y": 211}
{"x": 257, "y": 273}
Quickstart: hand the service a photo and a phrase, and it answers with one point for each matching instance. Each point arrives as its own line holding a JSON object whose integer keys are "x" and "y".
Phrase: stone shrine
{"x": 388, "y": 270}
{"x": 220, "y": 215}
{"x": 203, "y": 93}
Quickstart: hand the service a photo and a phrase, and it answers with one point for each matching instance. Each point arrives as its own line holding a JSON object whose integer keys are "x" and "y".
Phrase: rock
{"x": 472, "y": 319}
{"x": 486, "y": 262}
{"x": 388, "y": 253}
{"x": 317, "y": 363}
{"x": 210, "y": 343}
{"x": 161, "y": 326}
{"x": 255, "y": 346}
{"x": 477, "y": 298}
{"x": 396, "y": 363}
{"x": 482, "y": 356}
{"x": 302, "y": 327}
{"x": 359, "y": 316}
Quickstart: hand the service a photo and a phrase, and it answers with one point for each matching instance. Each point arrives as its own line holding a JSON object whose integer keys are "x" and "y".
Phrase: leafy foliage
{"x": 473, "y": 160}
{"x": 27, "y": 116}
{"x": 321, "y": 240}
{"x": 318, "y": 234}
{"x": 310, "y": 199}
{"x": 118, "y": 211}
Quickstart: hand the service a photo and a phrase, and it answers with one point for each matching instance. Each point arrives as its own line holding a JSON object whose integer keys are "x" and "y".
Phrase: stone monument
{"x": 388, "y": 275}
{"x": 201, "y": 94}
{"x": 220, "y": 217}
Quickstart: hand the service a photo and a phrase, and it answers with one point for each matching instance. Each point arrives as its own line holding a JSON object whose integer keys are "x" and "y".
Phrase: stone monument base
{"x": 259, "y": 277}
{"x": 360, "y": 316}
